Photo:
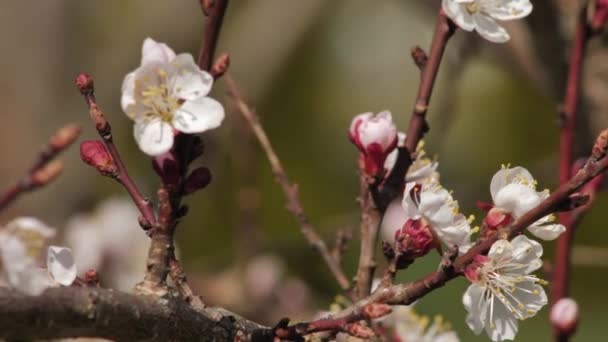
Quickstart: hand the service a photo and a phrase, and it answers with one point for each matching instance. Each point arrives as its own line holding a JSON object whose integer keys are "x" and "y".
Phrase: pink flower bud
{"x": 197, "y": 180}
{"x": 358, "y": 330}
{"x": 564, "y": 315}
{"x": 84, "y": 83}
{"x": 600, "y": 17}
{"x": 497, "y": 218}
{"x": 376, "y": 310}
{"x": 414, "y": 239}
{"x": 94, "y": 153}
{"x": 472, "y": 270}
{"x": 375, "y": 136}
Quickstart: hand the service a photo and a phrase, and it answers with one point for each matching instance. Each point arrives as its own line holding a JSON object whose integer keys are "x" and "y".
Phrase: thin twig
{"x": 44, "y": 170}
{"x": 560, "y": 284}
{"x": 215, "y": 11}
{"x": 290, "y": 190}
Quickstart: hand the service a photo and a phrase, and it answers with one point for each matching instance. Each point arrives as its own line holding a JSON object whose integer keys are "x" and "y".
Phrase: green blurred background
{"x": 307, "y": 67}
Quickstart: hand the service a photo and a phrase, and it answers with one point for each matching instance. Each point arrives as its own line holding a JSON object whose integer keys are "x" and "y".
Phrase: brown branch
{"x": 214, "y": 10}
{"x": 44, "y": 170}
{"x": 418, "y": 126}
{"x": 370, "y": 224}
{"x": 94, "y": 312}
{"x": 85, "y": 85}
{"x": 561, "y": 275}
{"x": 407, "y": 293}
{"x": 290, "y": 190}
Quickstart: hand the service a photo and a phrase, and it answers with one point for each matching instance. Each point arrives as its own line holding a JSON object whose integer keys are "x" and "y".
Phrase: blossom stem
{"x": 85, "y": 84}
{"x": 289, "y": 189}
{"x": 560, "y": 278}
{"x": 429, "y": 67}
{"x": 44, "y": 170}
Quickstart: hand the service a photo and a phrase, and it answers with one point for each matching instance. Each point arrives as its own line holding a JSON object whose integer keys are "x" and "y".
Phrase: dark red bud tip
{"x": 94, "y": 153}
{"x": 84, "y": 83}
{"x": 197, "y": 180}
{"x": 91, "y": 278}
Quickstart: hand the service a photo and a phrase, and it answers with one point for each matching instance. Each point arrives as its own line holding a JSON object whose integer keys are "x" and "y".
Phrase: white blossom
{"x": 514, "y": 193}
{"x": 502, "y": 290}
{"x": 110, "y": 241}
{"x": 434, "y": 204}
{"x": 21, "y": 244}
{"x": 482, "y": 15}
{"x": 168, "y": 93}
{"x": 422, "y": 169}
{"x": 408, "y": 326}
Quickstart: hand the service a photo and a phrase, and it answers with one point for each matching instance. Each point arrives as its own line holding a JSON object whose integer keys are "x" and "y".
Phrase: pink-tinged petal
{"x": 489, "y": 29}
{"x": 457, "y": 11}
{"x": 154, "y": 137}
{"x": 510, "y": 9}
{"x": 547, "y": 232}
{"x": 187, "y": 81}
{"x": 154, "y": 52}
{"x": 61, "y": 265}
{"x": 198, "y": 115}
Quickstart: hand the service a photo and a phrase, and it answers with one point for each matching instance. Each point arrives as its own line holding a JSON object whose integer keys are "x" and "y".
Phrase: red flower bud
{"x": 414, "y": 239}
{"x": 94, "y": 153}
{"x": 197, "y": 180}
{"x": 600, "y": 17}
{"x": 84, "y": 83}
{"x": 376, "y": 137}
{"x": 564, "y": 315}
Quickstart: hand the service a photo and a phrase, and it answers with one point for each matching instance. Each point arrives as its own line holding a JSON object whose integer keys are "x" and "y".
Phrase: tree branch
{"x": 290, "y": 190}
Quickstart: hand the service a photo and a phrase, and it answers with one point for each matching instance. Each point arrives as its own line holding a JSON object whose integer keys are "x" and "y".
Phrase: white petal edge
{"x": 547, "y": 232}
{"x": 489, "y": 29}
{"x": 154, "y": 137}
{"x": 128, "y": 91}
{"x": 187, "y": 81}
{"x": 152, "y": 51}
{"x": 456, "y": 11}
{"x": 199, "y": 115}
{"x": 61, "y": 266}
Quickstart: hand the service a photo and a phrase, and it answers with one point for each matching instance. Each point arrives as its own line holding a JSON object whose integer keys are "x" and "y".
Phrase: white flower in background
{"x": 375, "y": 136}
{"x": 21, "y": 244}
{"x": 432, "y": 203}
{"x": 408, "y": 326}
{"x": 514, "y": 194}
{"x": 482, "y": 15}
{"x": 168, "y": 92}
{"x": 502, "y": 290}
{"x": 110, "y": 241}
{"x": 422, "y": 168}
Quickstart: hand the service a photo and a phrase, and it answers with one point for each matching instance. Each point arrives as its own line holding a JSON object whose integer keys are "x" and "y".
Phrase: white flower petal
{"x": 393, "y": 220}
{"x": 503, "y": 325}
{"x": 198, "y": 115}
{"x": 15, "y": 258}
{"x": 517, "y": 199}
{"x": 32, "y": 281}
{"x": 31, "y": 225}
{"x": 510, "y": 9}
{"x": 476, "y": 306}
{"x": 154, "y": 137}
{"x": 128, "y": 91}
{"x": 153, "y": 51}
{"x": 457, "y": 11}
{"x": 506, "y": 176}
{"x": 547, "y": 232}
{"x": 188, "y": 82}
{"x": 408, "y": 203}
{"x": 61, "y": 265}
{"x": 489, "y": 29}
{"x": 500, "y": 249}
{"x": 527, "y": 252}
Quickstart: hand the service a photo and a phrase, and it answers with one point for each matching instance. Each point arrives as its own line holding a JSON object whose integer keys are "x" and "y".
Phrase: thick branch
{"x": 290, "y": 190}
{"x": 94, "y": 312}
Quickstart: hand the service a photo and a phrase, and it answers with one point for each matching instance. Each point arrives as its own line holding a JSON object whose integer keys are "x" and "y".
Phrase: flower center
{"x": 160, "y": 103}
{"x": 472, "y": 7}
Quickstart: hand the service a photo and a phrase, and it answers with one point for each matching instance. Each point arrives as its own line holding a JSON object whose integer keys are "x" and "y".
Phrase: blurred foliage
{"x": 308, "y": 67}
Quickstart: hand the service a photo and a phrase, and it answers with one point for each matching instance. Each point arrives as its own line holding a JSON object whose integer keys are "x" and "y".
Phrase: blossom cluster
{"x": 503, "y": 291}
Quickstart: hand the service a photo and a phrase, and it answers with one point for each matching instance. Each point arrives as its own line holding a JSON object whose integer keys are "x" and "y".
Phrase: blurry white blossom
{"x": 482, "y": 15}
{"x": 514, "y": 194}
{"x": 407, "y": 326}
{"x": 110, "y": 241}
{"x": 502, "y": 290}
{"x": 168, "y": 92}
{"x": 22, "y": 242}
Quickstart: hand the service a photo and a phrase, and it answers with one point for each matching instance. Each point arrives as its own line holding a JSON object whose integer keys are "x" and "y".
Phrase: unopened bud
{"x": 167, "y": 168}
{"x": 46, "y": 174}
{"x": 414, "y": 239}
{"x": 376, "y": 137}
{"x": 600, "y": 16}
{"x": 564, "y": 315}
{"x": 360, "y": 331}
{"x": 65, "y": 137}
{"x": 197, "y": 180}
{"x": 220, "y": 66}
{"x": 376, "y": 310}
{"x": 94, "y": 153}
{"x": 91, "y": 278}
{"x": 84, "y": 83}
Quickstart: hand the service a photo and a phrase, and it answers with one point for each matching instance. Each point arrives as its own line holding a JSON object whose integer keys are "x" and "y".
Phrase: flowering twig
{"x": 407, "y": 293}
{"x": 45, "y": 169}
{"x": 290, "y": 190}
{"x": 418, "y": 126}
{"x": 85, "y": 85}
